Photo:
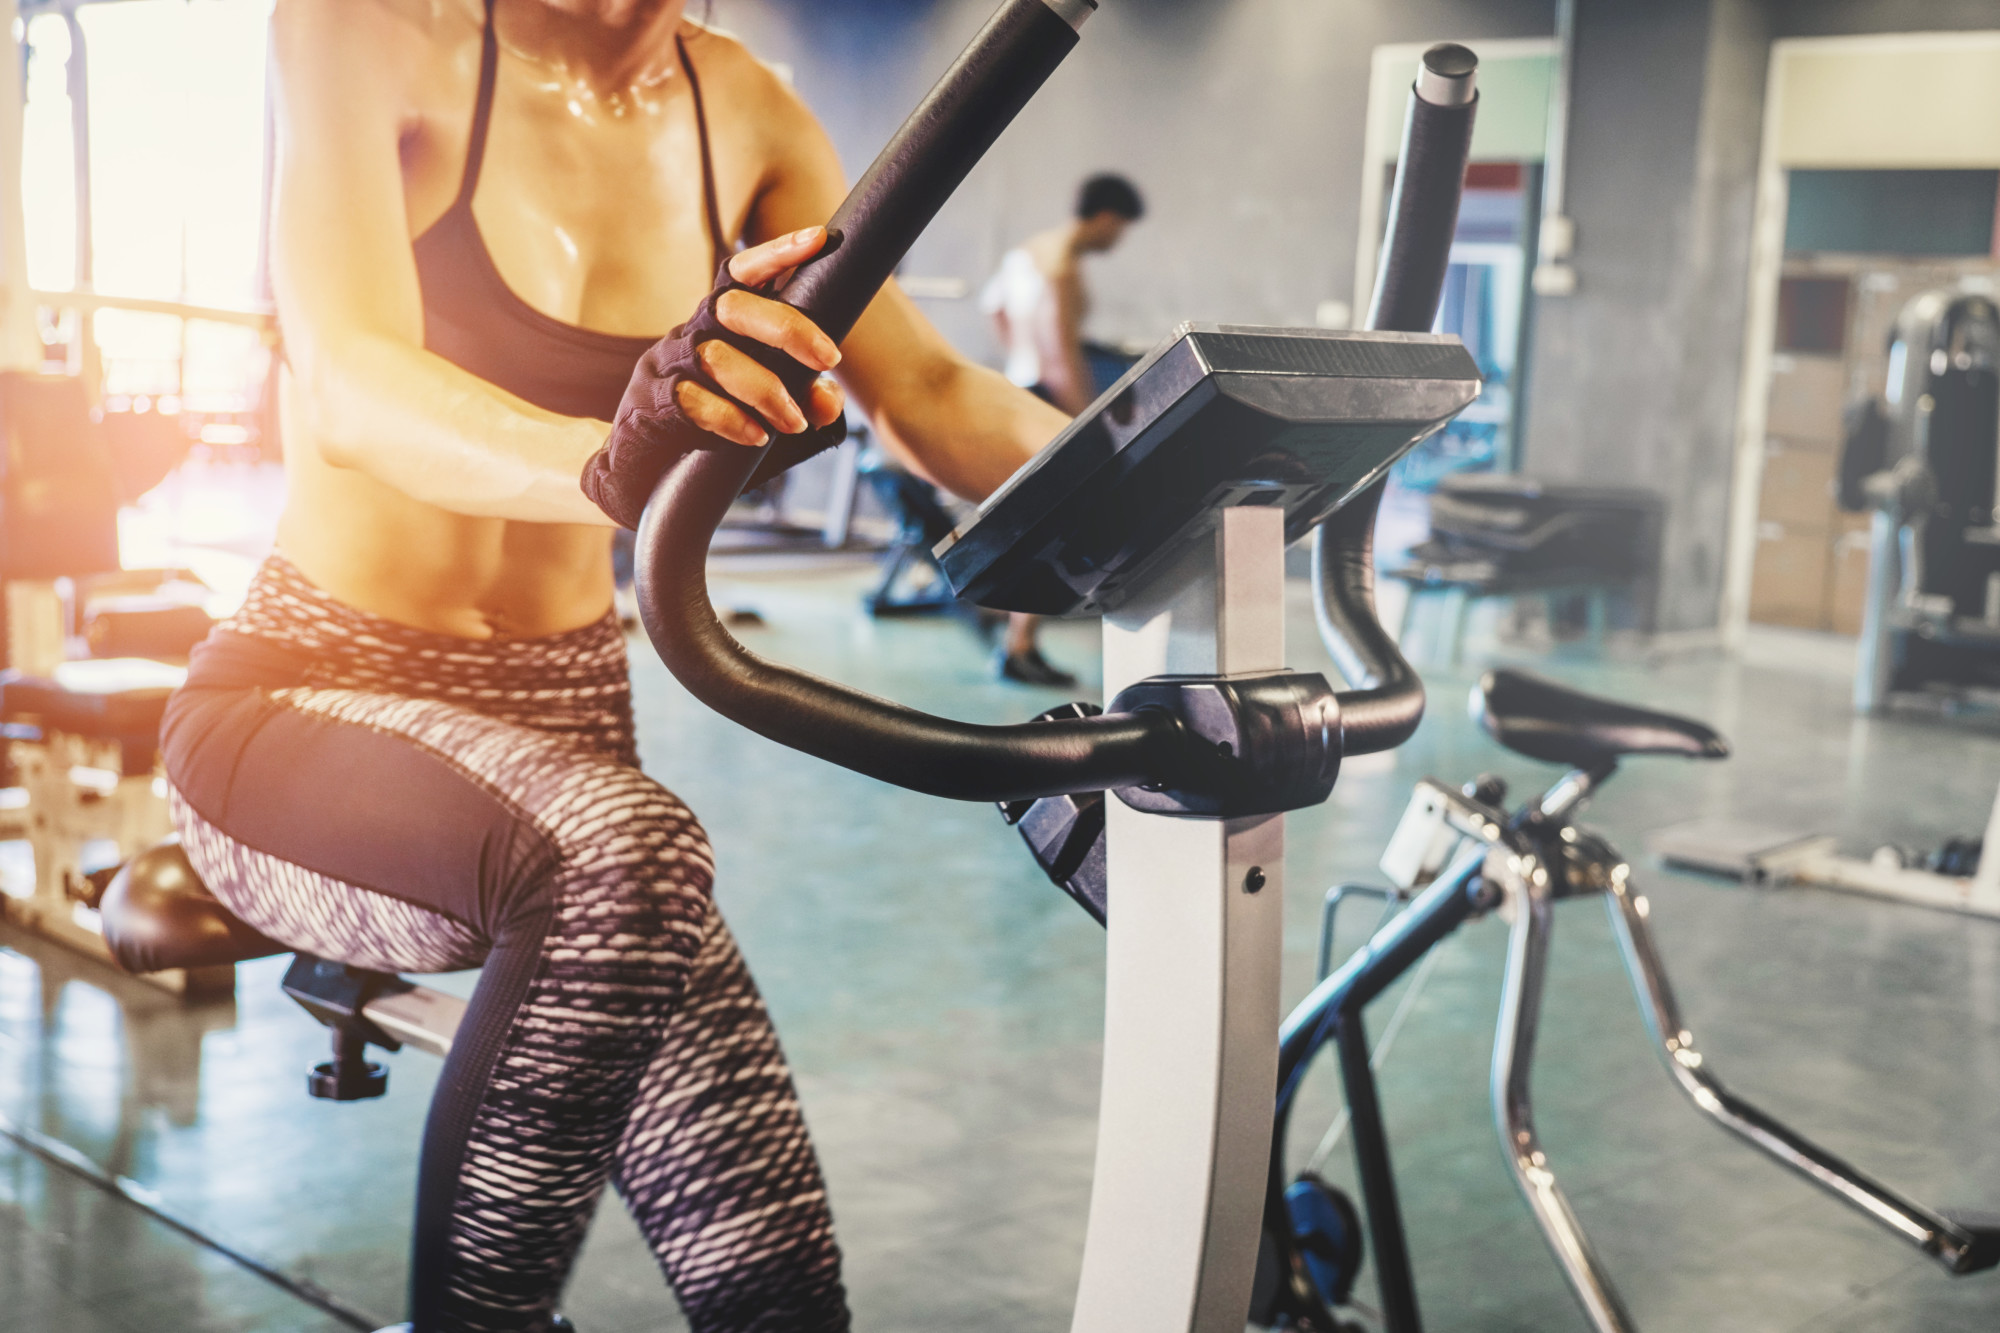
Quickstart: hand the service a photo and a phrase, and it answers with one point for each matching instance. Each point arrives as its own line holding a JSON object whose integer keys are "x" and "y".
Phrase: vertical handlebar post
{"x": 1386, "y": 703}
{"x": 940, "y": 143}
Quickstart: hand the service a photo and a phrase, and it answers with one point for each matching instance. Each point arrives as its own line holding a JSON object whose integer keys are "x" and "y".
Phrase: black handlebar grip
{"x": 944, "y": 138}
{"x": 1423, "y": 211}
{"x": 858, "y": 731}
{"x": 1387, "y": 701}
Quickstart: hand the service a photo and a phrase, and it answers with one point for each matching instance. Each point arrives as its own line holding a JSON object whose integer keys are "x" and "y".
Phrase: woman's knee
{"x": 635, "y": 869}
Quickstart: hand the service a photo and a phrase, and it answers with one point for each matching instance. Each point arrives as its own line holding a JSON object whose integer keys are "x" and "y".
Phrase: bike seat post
{"x": 1560, "y": 803}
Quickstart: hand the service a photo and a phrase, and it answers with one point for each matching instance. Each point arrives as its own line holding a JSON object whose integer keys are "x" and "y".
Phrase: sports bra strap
{"x": 717, "y": 241}
{"x": 482, "y": 120}
{"x": 482, "y": 111}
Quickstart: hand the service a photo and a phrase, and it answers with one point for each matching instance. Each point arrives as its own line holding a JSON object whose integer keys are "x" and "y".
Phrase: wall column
{"x": 1636, "y": 373}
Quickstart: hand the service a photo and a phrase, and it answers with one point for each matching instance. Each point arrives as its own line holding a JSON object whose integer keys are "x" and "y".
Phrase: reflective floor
{"x": 942, "y": 1007}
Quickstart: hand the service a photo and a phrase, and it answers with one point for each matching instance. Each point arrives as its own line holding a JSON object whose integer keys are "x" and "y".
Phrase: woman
{"x": 412, "y": 749}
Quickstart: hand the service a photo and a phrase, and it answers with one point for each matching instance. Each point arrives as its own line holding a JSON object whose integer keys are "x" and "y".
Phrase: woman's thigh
{"x": 403, "y": 833}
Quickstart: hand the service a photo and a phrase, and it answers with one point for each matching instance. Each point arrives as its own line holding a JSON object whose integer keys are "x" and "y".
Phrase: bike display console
{"x": 1217, "y": 416}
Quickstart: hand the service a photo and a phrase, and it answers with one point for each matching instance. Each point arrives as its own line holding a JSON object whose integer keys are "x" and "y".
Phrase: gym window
{"x": 146, "y": 204}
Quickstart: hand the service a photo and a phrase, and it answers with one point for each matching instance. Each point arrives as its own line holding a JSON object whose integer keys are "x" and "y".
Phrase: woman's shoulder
{"x": 735, "y": 76}
{"x": 409, "y": 21}
{"x": 410, "y": 35}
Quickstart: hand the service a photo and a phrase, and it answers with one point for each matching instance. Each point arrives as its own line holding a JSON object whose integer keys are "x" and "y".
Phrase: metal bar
{"x": 267, "y": 187}
{"x": 65, "y": 1158}
{"x": 89, "y": 301}
{"x": 1570, "y": 791}
{"x": 1985, "y": 892}
{"x": 77, "y": 81}
{"x": 1930, "y": 1232}
{"x": 1817, "y": 864}
{"x": 20, "y": 341}
{"x": 838, "y": 522}
{"x": 1393, "y": 1276}
{"x": 1334, "y": 1010}
{"x": 1397, "y": 1018}
{"x": 1372, "y": 968}
{"x": 1875, "y": 666}
{"x": 1329, "y": 918}
{"x": 1555, "y": 236}
{"x": 1513, "y": 1109}
{"x": 421, "y": 1017}
{"x": 1555, "y": 148}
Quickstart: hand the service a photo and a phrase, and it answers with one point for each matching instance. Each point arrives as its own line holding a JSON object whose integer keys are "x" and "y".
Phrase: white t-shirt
{"x": 1020, "y": 291}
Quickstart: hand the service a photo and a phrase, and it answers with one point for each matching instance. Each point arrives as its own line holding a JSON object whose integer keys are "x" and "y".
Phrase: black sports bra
{"x": 473, "y": 319}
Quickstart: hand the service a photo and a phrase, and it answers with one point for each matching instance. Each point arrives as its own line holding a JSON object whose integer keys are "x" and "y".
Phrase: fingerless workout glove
{"x": 651, "y": 431}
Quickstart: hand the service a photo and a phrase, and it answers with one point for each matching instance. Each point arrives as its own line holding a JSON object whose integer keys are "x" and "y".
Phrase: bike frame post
{"x": 1393, "y": 1276}
{"x": 1191, "y": 986}
{"x": 1339, "y": 1003}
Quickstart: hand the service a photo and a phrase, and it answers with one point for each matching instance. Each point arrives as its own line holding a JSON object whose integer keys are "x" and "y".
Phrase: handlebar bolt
{"x": 1488, "y": 789}
{"x": 1225, "y": 749}
{"x": 1254, "y": 881}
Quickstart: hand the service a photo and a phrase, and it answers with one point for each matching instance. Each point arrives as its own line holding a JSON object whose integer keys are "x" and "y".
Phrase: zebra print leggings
{"x": 408, "y": 801}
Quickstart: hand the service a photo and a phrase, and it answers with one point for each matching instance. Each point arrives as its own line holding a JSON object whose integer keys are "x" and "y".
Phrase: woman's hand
{"x": 706, "y": 382}
{"x": 777, "y": 325}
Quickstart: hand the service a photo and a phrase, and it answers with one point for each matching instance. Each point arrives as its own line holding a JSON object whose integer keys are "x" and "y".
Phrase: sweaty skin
{"x": 420, "y": 492}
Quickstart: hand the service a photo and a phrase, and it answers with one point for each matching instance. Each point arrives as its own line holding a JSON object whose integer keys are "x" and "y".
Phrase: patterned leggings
{"x": 408, "y": 801}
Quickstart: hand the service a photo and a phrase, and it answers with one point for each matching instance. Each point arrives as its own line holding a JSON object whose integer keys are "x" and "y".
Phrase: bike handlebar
{"x": 882, "y": 216}
{"x": 884, "y": 740}
{"x": 1387, "y": 701}
{"x": 897, "y": 197}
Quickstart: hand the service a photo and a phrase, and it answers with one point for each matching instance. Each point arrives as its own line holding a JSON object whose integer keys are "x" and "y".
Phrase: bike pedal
{"x": 1326, "y": 1226}
{"x": 1984, "y": 1228}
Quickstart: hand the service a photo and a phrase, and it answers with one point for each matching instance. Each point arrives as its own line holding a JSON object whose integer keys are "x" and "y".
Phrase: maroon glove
{"x": 651, "y": 431}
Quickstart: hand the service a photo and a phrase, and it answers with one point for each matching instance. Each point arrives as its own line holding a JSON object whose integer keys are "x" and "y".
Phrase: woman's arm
{"x": 959, "y": 424}
{"x": 374, "y": 399}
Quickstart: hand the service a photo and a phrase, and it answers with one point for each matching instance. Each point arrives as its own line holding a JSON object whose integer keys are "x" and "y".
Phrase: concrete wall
{"x": 1241, "y": 120}
{"x": 1635, "y": 375}
{"x": 1841, "y": 18}
{"x": 1929, "y": 100}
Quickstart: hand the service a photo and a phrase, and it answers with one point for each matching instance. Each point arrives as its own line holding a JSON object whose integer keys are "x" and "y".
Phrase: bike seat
{"x": 1544, "y": 720}
{"x": 157, "y": 914}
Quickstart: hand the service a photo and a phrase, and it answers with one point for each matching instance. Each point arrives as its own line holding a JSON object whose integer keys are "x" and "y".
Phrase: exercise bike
{"x": 1457, "y": 855}
{"x": 1166, "y": 508}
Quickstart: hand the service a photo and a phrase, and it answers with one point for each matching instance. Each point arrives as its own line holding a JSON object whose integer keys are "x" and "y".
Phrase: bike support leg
{"x": 1513, "y": 1109}
{"x": 1961, "y": 1247}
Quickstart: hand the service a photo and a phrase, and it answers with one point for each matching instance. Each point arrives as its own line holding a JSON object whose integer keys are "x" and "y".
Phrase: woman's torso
{"x": 593, "y": 213}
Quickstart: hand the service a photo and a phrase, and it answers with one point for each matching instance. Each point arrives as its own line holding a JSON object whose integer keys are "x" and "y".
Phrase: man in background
{"x": 1038, "y": 301}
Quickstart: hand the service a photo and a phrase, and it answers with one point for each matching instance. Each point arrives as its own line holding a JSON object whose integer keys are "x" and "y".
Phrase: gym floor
{"x": 942, "y": 1006}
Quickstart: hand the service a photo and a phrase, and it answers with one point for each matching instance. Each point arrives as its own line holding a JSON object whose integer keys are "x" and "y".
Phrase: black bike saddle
{"x": 1544, "y": 720}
